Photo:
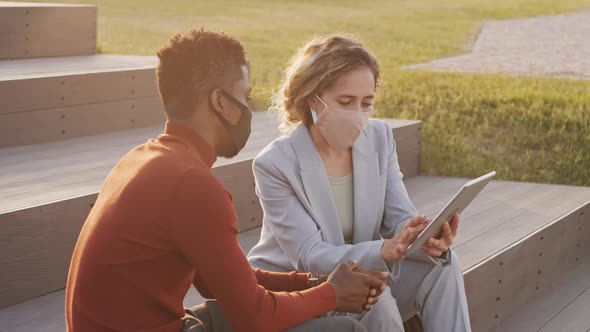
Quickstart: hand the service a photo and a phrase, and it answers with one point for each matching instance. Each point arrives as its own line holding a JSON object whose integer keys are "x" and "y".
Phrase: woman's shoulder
{"x": 378, "y": 127}
{"x": 379, "y": 134}
{"x": 277, "y": 152}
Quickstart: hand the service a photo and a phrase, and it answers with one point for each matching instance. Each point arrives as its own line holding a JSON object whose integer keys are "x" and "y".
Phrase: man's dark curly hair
{"x": 194, "y": 63}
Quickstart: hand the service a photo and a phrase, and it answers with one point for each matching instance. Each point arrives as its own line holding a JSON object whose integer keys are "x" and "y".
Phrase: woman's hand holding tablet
{"x": 437, "y": 246}
{"x": 452, "y": 210}
{"x": 394, "y": 249}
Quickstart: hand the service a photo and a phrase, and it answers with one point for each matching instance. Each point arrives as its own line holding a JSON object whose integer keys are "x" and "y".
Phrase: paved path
{"x": 548, "y": 45}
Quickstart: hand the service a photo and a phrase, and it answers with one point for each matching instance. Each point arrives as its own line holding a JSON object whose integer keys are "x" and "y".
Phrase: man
{"x": 162, "y": 222}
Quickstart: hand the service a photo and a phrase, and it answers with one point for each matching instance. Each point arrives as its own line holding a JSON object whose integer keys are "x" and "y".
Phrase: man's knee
{"x": 206, "y": 317}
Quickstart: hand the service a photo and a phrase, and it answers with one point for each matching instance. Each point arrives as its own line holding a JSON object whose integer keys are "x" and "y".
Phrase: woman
{"x": 332, "y": 191}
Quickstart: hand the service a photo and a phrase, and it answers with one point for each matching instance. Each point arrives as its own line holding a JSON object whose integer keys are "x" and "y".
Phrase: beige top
{"x": 343, "y": 191}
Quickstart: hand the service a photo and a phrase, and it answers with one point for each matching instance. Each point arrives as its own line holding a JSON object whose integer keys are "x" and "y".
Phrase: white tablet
{"x": 459, "y": 202}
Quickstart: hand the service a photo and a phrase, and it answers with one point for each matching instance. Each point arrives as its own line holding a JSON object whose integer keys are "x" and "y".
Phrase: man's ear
{"x": 215, "y": 100}
{"x": 224, "y": 107}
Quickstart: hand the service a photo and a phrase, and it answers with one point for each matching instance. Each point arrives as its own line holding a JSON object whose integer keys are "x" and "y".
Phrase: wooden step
{"x": 498, "y": 197}
{"x": 59, "y": 98}
{"x": 46, "y": 313}
{"x": 47, "y": 190}
{"x": 504, "y": 224}
{"x": 517, "y": 273}
{"x": 564, "y": 306}
{"x": 30, "y": 30}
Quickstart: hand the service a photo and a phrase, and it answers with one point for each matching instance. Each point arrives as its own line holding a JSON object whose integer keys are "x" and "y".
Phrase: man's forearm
{"x": 282, "y": 282}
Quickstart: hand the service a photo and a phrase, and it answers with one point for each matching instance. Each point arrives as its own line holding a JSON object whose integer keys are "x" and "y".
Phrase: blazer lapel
{"x": 316, "y": 186}
{"x": 366, "y": 181}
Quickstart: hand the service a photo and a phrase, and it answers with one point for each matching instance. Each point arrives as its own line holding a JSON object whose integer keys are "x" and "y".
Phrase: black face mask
{"x": 240, "y": 132}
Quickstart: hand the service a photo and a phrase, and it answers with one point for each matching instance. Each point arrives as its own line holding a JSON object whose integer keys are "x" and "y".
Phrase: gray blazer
{"x": 300, "y": 228}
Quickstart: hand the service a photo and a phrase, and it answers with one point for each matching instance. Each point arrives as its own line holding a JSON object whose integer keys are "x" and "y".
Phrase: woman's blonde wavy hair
{"x": 313, "y": 68}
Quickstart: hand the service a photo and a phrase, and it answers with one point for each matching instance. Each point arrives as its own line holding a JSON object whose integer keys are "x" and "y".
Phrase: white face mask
{"x": 340, "y": 128}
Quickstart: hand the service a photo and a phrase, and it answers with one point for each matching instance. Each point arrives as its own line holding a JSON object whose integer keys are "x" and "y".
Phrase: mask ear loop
{"x": 314, "y": 113}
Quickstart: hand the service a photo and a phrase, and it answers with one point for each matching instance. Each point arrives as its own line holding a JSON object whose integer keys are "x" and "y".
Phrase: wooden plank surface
{"x": 5, "y": 24}
{"x": 511, "y": 209}
{"x": 492, "y": 270}
{"x": 516, "y": 274}
{"x": 238, "y": 179}
{"x": 73, "y": 65}
{"x": 29, "y": 173}
{"x": 46, "y": 191}
{"x": 408, "y": 140}
{"x": 556, "y": 305}
{"x": 502, "y": 215}
{"x": 574, "y": 317}
{"x": 423, "y": 189}
{"x": 25, "y": 128}
{"x": 11, "y": 4}
{"x": 41, "y": 93}
{"x": 76, "y": 96}
{"x": 34, "y": 314}
{"x": 34, "y": 260}
{"x": 48, "y": 30}
{"x": 516, "y": 227}
{"x": 28, "y": 231}
{"x": 54, "y": 31}
{"x": 29, "y": 276}
{"x": 46, "y": 313}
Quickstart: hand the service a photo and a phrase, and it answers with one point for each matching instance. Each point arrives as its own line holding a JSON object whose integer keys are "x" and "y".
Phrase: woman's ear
{"x": 311, "y": 102}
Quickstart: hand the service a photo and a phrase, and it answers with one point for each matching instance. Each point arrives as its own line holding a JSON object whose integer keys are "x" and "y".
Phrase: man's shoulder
{"x": 165, "y": 169}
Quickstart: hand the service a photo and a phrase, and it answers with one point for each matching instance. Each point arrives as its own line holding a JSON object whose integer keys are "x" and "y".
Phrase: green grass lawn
{"x": 528, "y": 129}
